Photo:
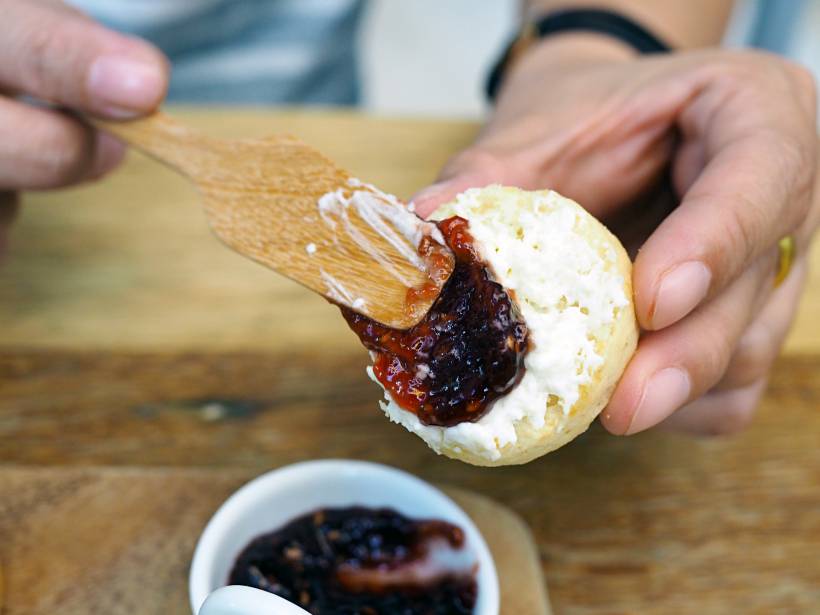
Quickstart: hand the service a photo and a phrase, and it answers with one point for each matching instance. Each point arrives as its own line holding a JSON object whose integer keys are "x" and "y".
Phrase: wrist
{"x": 570, "y": 49}
{"x": 580, "y": 35}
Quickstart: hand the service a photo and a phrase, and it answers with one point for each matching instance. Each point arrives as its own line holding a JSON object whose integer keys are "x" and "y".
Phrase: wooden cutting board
{"x": 119, "y": 541}
{"x": 129, "y": 337}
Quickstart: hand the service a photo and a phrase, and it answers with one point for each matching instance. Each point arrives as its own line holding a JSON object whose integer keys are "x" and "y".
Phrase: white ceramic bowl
{"x": 268, "y": 502}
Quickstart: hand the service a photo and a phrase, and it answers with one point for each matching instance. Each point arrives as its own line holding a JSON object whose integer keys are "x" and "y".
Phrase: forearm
{"x": 684, "y": 24}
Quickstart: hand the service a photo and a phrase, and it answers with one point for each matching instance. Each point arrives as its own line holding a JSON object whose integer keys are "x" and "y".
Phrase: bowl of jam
{"x": 345, "y": 537}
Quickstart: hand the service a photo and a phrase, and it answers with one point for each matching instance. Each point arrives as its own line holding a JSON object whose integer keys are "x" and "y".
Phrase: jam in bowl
{"x": 336, "y": 536}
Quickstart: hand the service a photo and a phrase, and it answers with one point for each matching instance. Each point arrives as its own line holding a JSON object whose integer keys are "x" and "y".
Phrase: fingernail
{"x": 665, "y": 392}
{"x": 125, "y": 87}
{"x": 429, "y": 191}
{"x": 680, "y": 291}
{"x": 419, "y": 200}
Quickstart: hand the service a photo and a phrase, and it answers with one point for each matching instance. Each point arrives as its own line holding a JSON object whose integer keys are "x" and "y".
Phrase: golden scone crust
{"x": 615, "y": 342}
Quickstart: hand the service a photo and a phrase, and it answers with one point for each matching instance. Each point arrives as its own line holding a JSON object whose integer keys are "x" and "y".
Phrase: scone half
{"x": 571, "y": 281}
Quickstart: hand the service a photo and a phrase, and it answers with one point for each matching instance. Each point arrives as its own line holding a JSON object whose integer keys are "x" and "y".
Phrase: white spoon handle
{"x": 239, "y": 600}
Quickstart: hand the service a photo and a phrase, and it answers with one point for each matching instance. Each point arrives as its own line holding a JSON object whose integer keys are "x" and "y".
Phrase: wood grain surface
{"x": 130, "y": 337}
{"x": 141, "y": 565}
{"x": 656, "y": 523}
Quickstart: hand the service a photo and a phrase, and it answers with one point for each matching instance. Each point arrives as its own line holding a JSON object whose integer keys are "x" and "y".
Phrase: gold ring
{"x": 785, "y": 257}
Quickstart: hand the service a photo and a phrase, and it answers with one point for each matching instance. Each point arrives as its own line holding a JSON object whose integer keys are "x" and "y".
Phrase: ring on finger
{"x": 786, "y": 250}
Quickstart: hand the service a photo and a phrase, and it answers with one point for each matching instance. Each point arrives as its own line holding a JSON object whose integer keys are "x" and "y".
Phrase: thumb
{"x": 56, "y": 55}
{"x": 472, "y": 168}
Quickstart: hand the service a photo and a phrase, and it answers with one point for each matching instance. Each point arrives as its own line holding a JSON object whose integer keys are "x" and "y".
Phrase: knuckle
{"x": 799, "y": 163}
{"x": 39, "y": 46}
{"x": 753, "y": 358}
{"x": 745, "y": 65}
{"x": 64, "y": 155}
{"x": 798, "y": 160}
{"x": 752, "y": 61}
{"x": 761, "y": 73}
{"x": 803, "y": 78}
{"x": 479, "y": 161}
{"x": 50, "y": 50}
{"x": 736, "y": 60}
{"x": 734, "y": 75}
{"x": 735, "y": 415}
{"x": 714, "y": 358}
{"x": 740, "y": 231}
{"x": 793, "y": 163}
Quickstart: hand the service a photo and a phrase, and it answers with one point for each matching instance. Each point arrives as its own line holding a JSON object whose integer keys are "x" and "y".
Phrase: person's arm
{"x": 728, "y": 138}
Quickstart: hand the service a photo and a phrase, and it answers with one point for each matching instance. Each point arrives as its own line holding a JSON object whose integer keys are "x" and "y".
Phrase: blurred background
{"x": 402, "y": 47}
{"x": 425, "y": 57}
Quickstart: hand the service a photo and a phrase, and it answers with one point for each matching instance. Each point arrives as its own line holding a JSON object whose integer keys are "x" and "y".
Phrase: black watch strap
{"x": 573, "y": 20}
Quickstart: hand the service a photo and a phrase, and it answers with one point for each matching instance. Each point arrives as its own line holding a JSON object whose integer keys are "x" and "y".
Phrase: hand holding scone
{"x": 737, "y": 133}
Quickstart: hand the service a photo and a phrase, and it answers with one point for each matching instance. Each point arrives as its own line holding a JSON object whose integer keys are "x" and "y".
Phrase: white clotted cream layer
{"x": 567, "y": 289}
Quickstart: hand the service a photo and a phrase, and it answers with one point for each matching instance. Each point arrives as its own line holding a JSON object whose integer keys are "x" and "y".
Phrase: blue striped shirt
{"x": 247, "y": 51}
{"x": 304, "y": 51}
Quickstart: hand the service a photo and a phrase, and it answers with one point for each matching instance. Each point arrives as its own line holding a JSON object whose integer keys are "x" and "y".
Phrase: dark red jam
{"x": 350, "y": 561}
{"x": 466, "y": 352}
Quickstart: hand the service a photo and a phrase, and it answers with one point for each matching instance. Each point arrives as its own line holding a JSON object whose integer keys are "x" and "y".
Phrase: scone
{"x": 525, "y": 348}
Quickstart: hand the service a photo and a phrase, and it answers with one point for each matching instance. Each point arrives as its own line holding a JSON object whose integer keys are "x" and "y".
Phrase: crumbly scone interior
{"x": 571, "y": 280}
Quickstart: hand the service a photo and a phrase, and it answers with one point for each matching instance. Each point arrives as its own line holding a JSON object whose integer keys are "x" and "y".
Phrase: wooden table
{"x": 133, "y": 342}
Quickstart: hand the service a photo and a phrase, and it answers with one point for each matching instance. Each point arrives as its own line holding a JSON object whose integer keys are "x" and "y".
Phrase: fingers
{"x": 42, "y": 148}
{"x": 53, "y": 53}
{"x": 737, "y": 209}
{"x": 678, "y": 364}
{"x": 761, "y": 342}
{"x": 730, "y": 405}
{"x": 718, "y": 413}
{"x": 755, "y": 187}
{"x": 61, "y": 57}
{"x": 471, "y": 169}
